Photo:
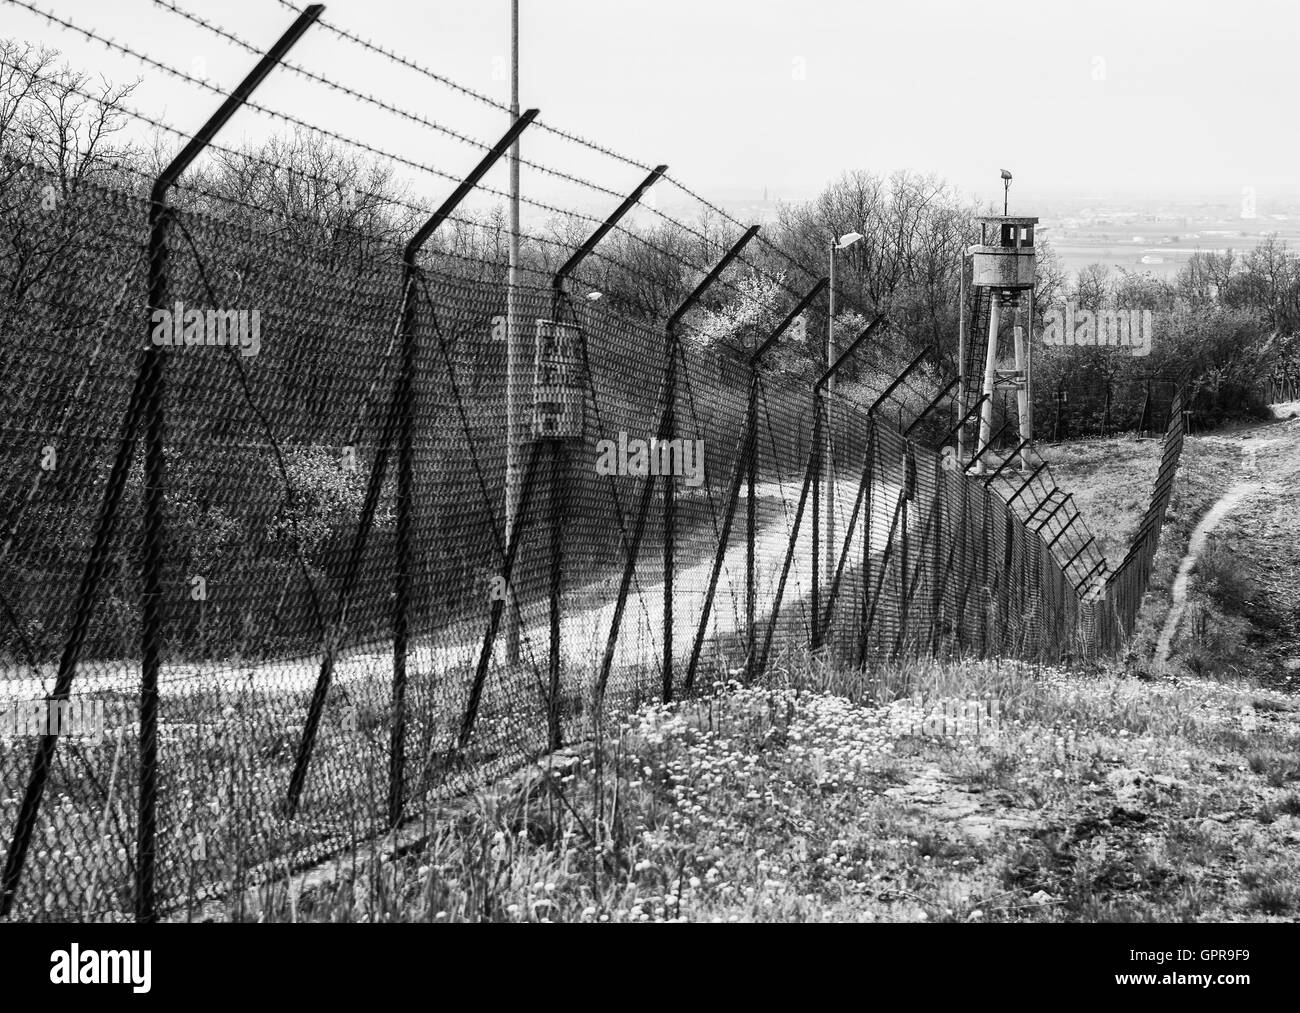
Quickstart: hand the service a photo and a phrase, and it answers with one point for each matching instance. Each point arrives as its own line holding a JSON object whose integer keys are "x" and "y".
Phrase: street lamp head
{"x": 847, "y": 240}
{"x": 1006, "y": 174}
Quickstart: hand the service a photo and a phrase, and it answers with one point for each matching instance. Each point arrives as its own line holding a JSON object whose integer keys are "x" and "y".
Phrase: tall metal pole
{"x": 961, "y": 355}
{"x": 1029, "y": 372}
{"x": 990, "y": 366}
{"x": 516, "y": 359}
{"x": 1022, "y": 386}
{"x": 830, "y": 425}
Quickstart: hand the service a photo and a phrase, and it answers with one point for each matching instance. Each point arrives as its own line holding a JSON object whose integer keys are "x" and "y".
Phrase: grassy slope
{"x": 1102, "y": 794}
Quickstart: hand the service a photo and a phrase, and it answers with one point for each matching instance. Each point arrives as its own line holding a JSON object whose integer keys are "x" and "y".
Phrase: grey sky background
{"x": 1144, "y": 98}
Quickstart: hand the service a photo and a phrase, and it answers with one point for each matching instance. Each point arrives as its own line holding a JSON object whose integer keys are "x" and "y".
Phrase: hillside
{"x": 1147, "y": 789}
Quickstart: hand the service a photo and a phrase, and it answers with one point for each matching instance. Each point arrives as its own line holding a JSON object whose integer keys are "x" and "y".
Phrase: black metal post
{"x": 789, "y": 557}
{"x": 866, "y": 538}
{"x": 863, "y": 485}
{"x": 884, "y": 569}
{"x": 902, "y": 580}
{"x": 672, "y": 351}
{"x": 498, "y": 606}
{"x": 751, "y": 510}
{"x": 815, "y": 459}
{"x": 1026, "y": 483}
{"x": 146, "y": 405}
{"x": 739, "y": 470}
{"x": 751, "y": 522}
{"x": 397, "y": 428}
{"x": 558, "y": 510}
{"x": 581, "y": 253}
{"x": 818, "y": 407}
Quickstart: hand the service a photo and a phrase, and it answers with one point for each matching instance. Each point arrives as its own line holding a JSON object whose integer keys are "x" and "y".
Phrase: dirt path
{"x": 1200, "y": 534}
{"x": 584, "y": 631}
{"x": 1263, "y": 530}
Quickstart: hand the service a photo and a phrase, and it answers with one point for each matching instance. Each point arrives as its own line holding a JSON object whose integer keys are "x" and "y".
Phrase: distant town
{"x": 1144, "y": 236}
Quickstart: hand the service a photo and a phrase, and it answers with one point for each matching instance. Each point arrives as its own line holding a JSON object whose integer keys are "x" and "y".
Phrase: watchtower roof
{"x": 1006, "y": 220}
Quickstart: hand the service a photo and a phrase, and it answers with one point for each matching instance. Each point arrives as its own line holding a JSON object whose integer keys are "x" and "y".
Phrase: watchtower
{"x": 1002, "y": 264}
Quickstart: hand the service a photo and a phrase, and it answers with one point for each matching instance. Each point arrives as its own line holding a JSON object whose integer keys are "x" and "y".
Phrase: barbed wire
{"x": 560, "y": 174}
{"x": 287, "y": 117}
{"x": 569, "y": 136}
{"x": 199, "y": 82}
{"x": 147, "y": 179}
{"x": 231, "y": 37}
{"x": 636, "y": 236}
{"x": 469, "y": 92}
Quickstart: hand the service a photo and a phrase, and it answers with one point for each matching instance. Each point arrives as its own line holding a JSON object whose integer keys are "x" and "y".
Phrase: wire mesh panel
{"x": 374, "y": 594}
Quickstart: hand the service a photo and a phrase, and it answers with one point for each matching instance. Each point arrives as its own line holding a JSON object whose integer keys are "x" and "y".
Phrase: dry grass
{"x": 1102, "y": 794}
{"x": 1097, "y": 797}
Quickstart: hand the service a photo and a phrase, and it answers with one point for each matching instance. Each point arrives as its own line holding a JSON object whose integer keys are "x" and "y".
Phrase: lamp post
{"x": 516, "y": 359}
{"x": 843, "y": 243}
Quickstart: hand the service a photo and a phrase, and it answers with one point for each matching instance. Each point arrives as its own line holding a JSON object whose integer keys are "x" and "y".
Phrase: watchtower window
{"x": 1027, "y": 236}
{"x": 1008, "y": 235}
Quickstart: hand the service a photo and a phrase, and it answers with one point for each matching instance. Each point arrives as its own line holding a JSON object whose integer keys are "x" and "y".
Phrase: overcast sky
{"x": 1140, "y": 97}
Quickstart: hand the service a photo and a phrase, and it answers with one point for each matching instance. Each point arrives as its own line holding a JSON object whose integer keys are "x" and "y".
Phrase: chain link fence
{"x": 360, "y": 595}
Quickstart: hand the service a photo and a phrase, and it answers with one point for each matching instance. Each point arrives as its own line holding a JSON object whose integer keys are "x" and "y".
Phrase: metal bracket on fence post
{"x": 888, "y": 391}
{"x": 1026, "y": 483}
{"x": 964, "y": 419}
{"x": 1042, "y": 503}
{"x": 818, "y": 386}
{"x": 984, "y": 449}
{"x": 934, "y": 402}
{"x": 1070, "y": 562}
{"x": 1009, "y": 458}
{"x": 1057, "y": 537}
{"x": 581, "y": 253}
{"x": 667, "y": 429}
{"x": 405, "y": 459}
{"x": 397, "y": 427}
{"x": 1087, "y": 576}
{"x": 146, "y": 405}
{"x": 1055, "y": 510}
